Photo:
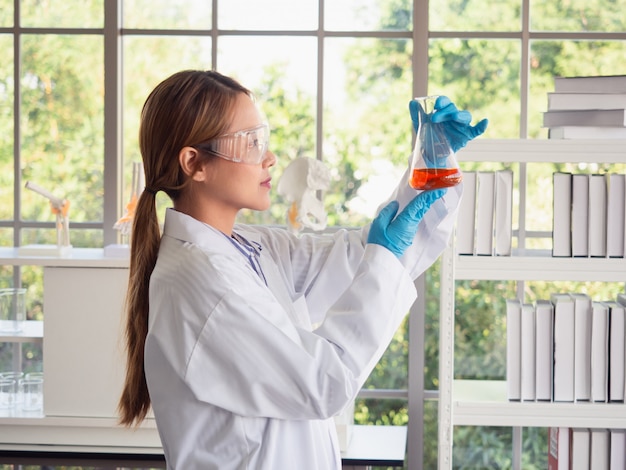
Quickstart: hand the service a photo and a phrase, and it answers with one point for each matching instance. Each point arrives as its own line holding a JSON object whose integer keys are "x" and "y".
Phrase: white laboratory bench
{"x": 370, "y": 446}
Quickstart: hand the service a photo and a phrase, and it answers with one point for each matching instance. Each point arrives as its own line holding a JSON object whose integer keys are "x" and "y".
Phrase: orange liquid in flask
{"x": 434, "y": 178}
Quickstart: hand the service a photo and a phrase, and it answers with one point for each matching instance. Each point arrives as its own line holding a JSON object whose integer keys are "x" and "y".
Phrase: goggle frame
{"x": 240, "y": 147}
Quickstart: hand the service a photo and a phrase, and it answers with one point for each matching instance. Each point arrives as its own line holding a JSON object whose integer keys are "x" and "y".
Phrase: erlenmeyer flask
{"x": 434, "y": 163}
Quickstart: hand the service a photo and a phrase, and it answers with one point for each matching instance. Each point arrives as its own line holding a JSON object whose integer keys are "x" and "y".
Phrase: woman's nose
{"x": 269, "y": 159}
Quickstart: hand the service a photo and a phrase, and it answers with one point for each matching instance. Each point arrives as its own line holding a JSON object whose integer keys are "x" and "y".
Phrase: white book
{"x": 591, "y": 84}
{"x": 618, "y": 448}
{"x": 599, "y": 352}
{"x": 580, "y": 449}
{"x": 544, "y": 345}
{"x": 503, "y": 212}
{"x": 562, "y": 214}
{"x": 485, "y": 212}
{"x": 587, "y": 132}
{"x": 514, "y": 349}
{"x": 586, "y": 117}
{"x": 466, "y": 220}
{"x": 563, "y": 384}
{"x": 582, "y": 346}
{"x": 558, "y": 448}
{"x": 615, "y": 215}
{"x": 599, "y": 455}
{"x": 597, "y": 215}
{"x": 580, "y": 215}
{"x": 528, "y": 352}
{"x": 576, "y": 101}
{"x": 617, "y": 349}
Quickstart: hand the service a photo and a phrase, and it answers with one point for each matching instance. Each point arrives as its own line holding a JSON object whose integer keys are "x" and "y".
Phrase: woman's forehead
{"x": 246, "y": 114}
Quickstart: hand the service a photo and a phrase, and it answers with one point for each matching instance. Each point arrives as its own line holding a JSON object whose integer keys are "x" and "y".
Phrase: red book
{"x": 558, "y": 449}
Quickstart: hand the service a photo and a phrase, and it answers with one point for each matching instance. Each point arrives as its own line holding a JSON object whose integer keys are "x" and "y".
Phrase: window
{"x": 334, "y": 78}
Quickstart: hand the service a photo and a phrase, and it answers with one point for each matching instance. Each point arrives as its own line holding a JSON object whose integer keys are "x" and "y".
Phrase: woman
{"x": 219, "y": 330}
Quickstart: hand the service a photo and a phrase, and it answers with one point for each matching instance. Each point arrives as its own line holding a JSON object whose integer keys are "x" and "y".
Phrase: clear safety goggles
{"x": 245, "y": 146}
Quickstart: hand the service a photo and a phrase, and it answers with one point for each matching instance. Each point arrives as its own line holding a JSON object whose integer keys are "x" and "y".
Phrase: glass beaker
{"x": 32, "y": 394}
{"x": 12, "y": 310}
{"x": 434, "y": 163}
{"x": 7, "y": 393}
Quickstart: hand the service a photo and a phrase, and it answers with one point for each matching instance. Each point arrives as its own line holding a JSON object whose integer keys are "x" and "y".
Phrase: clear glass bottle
{"x": 434, "y": 163}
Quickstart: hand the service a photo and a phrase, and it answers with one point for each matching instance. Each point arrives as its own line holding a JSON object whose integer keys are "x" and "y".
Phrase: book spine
{"x": 580, "y": 215}
{"x": 562, "y": 215}
{"x": 528, "y": 352}
{"x": 597, "y": 215}
{"x": 466, "y": 221}
{"x": 513, "y": 349}
{"x": 503, "y": 212}
{"x": 485, "y": 213}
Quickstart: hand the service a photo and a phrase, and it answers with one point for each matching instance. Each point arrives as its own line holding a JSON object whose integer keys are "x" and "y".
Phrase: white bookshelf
{"x": 484, "y": 402}
{"x": 528, "y": 268}
{"x": 543, "y": 150}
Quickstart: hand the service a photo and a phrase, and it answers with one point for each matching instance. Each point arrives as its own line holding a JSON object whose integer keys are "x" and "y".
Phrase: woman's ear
{"x": 189, "y": 160}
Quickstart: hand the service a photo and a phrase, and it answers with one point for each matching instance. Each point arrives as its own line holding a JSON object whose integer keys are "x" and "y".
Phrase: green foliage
{"x": 469, "y": 15}
{"x": 391, "y": 372}
{"x": 62, "y": 144}
{"x": 578, "y": 15}
{"x": 381, "y": 412}
{"x": 480, "y": 335}
{"x": 292, "y": 123}
{"x": 481, "y": 447}
{"x": 6, "y": 124}
{"x": 61, "y": 14}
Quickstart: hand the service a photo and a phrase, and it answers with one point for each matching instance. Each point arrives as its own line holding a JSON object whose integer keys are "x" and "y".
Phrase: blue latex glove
{"x": 397, "y": 234}
{"x": 455, "y": 123}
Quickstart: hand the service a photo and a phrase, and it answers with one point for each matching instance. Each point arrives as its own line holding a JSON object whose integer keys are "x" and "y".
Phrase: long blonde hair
{"x": 188, "y": 108}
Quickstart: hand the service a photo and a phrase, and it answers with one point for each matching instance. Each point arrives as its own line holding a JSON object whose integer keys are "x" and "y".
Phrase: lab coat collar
{"x": 184, "y": 227}
{"x": 249, "y": 234}
{"x": 187, "y": 229}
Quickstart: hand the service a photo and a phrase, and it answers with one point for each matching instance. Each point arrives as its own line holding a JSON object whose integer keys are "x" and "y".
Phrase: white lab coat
{"x": 238, "y": 377}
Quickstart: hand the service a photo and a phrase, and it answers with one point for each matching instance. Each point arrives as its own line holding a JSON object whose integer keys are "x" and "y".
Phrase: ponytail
{"x": 187, "y": 108}
{"x": 134, "y": 403}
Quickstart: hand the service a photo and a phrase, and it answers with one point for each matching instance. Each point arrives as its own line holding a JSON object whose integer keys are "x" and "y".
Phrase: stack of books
{"x": 589, "y": 215}
{"x": 569, "y": 348}
{"x": 485, "y": 222}
{"x": 586, "y": 449}
{"x": 592, "y": 107}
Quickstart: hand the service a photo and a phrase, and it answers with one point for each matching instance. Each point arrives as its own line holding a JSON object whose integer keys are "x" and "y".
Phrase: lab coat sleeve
{"x": 318, "y": 267}
{"x": 250, "y": 359}
{"x": 435, "y": 229}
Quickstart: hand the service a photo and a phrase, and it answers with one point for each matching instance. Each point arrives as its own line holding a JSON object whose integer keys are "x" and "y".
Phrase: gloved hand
{"x": 397, "y": 234}
{"x": 455, "y": 123}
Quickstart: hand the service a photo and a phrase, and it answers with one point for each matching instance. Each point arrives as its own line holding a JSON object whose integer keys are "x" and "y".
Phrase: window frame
{"x": 113, "y": 203}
